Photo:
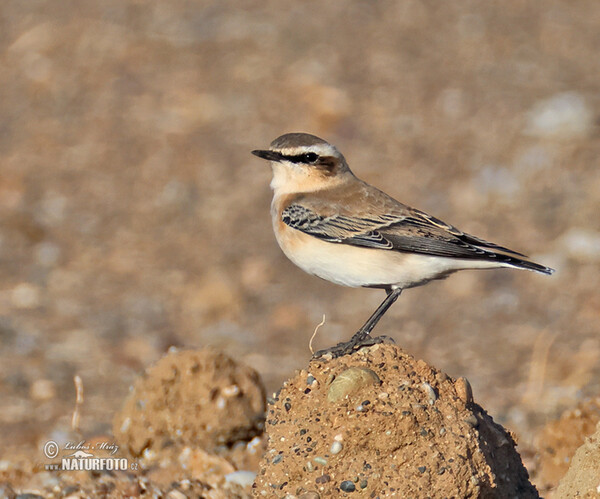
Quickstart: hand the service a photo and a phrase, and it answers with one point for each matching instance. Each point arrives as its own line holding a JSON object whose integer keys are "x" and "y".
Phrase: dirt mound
{"x": 385, "y": 424}
{"x": 558, "y": 441}
{"x": 583, "y": 477}
{"x": 191, "y": 427}
{"x": 195, "y": 397}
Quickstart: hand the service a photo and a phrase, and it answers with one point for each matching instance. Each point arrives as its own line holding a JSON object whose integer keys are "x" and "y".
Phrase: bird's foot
{"x": 358, "y": 341}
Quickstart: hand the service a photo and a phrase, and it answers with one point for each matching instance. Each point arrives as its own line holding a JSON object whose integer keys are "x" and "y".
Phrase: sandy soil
{"x": 134, "y": 219}
{"x": 402, "y": 429}
{"x": 378, "y": 422}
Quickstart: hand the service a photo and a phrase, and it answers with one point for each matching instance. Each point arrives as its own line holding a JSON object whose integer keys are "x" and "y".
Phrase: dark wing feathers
{"x": 416, "y": 232}
{"x": 423, "y": 219}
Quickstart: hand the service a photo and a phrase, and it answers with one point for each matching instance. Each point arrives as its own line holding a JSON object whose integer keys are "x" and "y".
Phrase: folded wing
{"x": 414, "y": 232}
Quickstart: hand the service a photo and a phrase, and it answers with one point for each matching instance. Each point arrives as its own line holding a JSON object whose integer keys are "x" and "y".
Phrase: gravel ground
{"x": 133, "y": 218}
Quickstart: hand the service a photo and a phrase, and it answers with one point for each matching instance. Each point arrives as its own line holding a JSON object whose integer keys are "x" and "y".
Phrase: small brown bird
{"x": 335, "y": 226}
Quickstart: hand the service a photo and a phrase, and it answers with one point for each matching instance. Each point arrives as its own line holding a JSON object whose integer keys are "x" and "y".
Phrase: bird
{"x": 337, "y": 227}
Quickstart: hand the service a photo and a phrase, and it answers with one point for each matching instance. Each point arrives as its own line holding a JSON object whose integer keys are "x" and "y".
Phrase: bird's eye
{"x": 311, "y": 157}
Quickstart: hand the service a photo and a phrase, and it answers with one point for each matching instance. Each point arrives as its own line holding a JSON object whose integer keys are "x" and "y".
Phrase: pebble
{"x": 464, "y": 390}
{"x": 430, "y": 392}
{"x": 253, "y": 445}
{"x": 231, "y": 391}
{"x": 323, "y": 479}
{"x": 422, "y": 469}
{"x": 176, "y": 494}
{"x": 241, "y": 477}
{"x": 320, "y": 460}
{"x": 277, "y": 459}
{"x": 350, "y": 381}
{"x": 361, "y": 408}
{"x": 347, "y": 486}
{"x": 363, "y": 484}
{"x": 310, "y": 379}
{"x": 336, "y": 448}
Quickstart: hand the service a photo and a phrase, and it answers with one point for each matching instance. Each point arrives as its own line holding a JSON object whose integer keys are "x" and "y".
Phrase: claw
{"x": 358, "y": 341}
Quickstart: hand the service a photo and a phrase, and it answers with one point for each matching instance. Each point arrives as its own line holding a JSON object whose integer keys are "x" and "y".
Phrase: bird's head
{"x": 302, "y": 162}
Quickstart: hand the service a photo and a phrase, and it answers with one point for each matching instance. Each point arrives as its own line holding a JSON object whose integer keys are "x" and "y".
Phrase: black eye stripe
{"x": 309, "y": 157}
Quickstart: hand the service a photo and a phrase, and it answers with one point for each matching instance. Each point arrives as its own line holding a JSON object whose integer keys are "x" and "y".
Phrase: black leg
{"x": 362, "y": 336}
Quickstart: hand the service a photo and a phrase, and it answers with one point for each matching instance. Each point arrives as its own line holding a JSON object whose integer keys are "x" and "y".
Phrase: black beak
{"x": 268, "y": 155}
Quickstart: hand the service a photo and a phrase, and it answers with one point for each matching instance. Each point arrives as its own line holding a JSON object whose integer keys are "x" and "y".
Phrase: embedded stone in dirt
{"x": 200, "y": 398}
{"x": 406, "y": 430}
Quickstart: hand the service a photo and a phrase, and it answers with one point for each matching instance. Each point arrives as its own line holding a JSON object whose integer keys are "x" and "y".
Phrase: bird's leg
{"x": 365, "y": 330}
{"x": 362, "y": 336}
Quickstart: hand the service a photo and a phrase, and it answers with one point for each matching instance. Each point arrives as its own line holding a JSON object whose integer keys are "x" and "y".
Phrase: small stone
{"x": 277, "y": 459}
{"x": 323, "y": 479}
{"x": 422, "y": 469}
{"x": 309, "y": 467}
{"x": 320, "y": 460}
{"x": 231, "y": 391}
{"x": 176, "y": 494}
{"x": 464, "y": 390}
{"x": 363, "y": 484}
{"x": 336, "y": 448}
{"x": 310, "y": 379}
{"x": 347, "y": 486}
{"x": 430, "y": 392}
{"x": 241, "y": 477}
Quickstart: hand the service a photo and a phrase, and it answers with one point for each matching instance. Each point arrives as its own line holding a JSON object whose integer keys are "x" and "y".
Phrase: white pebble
{"x": 241, "y": 477}
{"x": 335, "y": 448}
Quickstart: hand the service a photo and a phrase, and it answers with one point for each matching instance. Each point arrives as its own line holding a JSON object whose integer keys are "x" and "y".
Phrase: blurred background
{"x": 133, "y": 217}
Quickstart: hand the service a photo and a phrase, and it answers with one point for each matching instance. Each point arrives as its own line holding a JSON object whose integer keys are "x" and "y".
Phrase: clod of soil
{"x": 583, "y": 477}
{"x": 558, "y": 441}
{"x": 399, "y": 428}
{"x": 198, "y": 398}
